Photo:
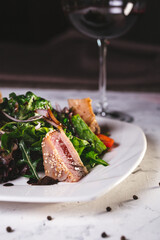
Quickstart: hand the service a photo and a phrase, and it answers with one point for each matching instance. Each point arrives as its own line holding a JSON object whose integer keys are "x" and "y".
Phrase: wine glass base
{"x": 116, "y": 115}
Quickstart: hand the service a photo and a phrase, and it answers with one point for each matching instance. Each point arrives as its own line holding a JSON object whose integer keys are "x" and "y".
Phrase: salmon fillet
{"x": 60, "y": 159}
{"x": 83, "y": 107}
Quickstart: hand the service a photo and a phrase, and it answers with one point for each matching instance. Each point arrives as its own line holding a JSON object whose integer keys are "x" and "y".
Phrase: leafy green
{"x": 26, "y": 159}
{"x": 86, "y": 151}
{"x": 65, "y": 119}
{"x": 79, "y": 144}
{"x": 92, "y": 158}
{"x": 24, "y": 131}
{"x": 29, "y": 136}
{"x": 85, "y": 133}
{"x": 29, "y": 140}
{"x": 23, "y": 106}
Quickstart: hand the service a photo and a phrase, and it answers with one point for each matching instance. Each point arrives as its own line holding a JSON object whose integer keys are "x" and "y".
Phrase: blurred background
{"x": 40, "y": 48}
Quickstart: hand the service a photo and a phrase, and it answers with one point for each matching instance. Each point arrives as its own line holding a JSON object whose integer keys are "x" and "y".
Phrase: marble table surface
{"x": 135, "y": 219}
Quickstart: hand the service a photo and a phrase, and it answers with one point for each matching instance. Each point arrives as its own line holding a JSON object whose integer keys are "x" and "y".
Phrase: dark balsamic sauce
{"x": 43, "y": 181}
{"x": 8, "y": 184}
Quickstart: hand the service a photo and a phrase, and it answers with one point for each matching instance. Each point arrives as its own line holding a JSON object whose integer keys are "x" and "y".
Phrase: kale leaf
{"x": 85, "y": 133}
{"x": 23, "y": 106}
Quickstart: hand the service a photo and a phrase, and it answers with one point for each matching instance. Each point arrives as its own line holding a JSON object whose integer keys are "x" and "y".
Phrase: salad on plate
{"x": 35, "y": 138}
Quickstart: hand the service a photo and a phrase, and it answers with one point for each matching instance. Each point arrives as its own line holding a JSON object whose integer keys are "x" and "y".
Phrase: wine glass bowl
{"x": 103, "y": 20}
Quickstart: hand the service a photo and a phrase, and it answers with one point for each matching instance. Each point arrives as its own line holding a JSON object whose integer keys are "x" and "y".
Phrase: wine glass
{"x": 103, "y": 20}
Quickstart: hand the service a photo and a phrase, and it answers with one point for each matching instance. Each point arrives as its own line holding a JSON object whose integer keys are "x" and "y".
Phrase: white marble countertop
{"x": 135, "y": 219}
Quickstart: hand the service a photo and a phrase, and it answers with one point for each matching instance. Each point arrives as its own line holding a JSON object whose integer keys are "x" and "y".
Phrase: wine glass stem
{"x": 103, "y": 104}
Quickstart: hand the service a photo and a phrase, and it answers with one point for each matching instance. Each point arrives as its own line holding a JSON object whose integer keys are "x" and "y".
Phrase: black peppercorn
{"x": 49, "y": 218}
{"x": 9, "y": 229}
{"x": 123, "y": 238}
{"x": 135, "y": 197}
{"x": 108, "y": 209}
{"x": 104, "y": 235}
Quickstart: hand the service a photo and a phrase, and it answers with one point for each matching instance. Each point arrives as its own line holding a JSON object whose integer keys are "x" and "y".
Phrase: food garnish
{"x": 108, "y": 142}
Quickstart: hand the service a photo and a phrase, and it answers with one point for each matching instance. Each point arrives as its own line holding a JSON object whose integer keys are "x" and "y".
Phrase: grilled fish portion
{"x": 83, "y": 107}
{"x": 61, "y": 160}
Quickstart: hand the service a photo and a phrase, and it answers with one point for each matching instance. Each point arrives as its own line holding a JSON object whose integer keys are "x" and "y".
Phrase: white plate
{"x": 122, "y": 159}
